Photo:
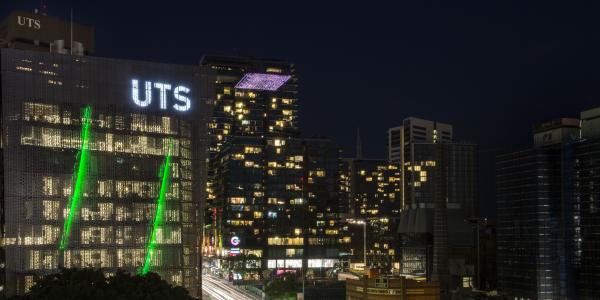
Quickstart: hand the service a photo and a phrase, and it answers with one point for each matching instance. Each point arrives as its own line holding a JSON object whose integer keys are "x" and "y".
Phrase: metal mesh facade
{"x": 43, "y": 96}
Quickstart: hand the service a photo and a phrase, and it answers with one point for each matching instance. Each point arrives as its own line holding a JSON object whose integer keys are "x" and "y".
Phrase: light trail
{"x": 220, "y": 290}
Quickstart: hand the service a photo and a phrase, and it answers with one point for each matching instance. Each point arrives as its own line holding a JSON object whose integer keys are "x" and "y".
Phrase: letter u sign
{"x": 180, "y": 93}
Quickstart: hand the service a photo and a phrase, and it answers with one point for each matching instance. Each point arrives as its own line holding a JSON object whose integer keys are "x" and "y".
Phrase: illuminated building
{"x": 39, "y": 32}
{"x": 371, "y": 190}
{"x": 83, "y": 148}
{"x": 276, "y": 193}
{"x": 279, "y": 200}
{"x": 439, "y": 192}
{"x": 246, "y": 103}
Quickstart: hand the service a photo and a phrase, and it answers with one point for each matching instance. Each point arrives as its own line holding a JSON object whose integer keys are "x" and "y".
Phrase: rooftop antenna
{"x": 358, "y": 144}
{"x": 71, "y": 25}
{"x": 42, "y": 8}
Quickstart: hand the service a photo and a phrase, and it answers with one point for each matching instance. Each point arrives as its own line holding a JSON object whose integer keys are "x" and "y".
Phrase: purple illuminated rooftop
{"x": 261, "y": 81}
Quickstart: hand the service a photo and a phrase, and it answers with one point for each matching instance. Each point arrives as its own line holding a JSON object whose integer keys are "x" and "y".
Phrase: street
{"x": 217, "y": 289}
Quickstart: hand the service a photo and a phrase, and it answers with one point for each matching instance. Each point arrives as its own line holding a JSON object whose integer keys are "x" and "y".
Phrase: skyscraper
{"x": 535, "y": 208}
{"x": 585, "y": 217}
{"x": 439, "y": 192}
{"x": 371, "y": 190}
{"x": 273, "y": 196}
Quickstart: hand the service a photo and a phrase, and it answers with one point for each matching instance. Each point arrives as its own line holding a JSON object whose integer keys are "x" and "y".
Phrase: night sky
{"x": 490, "y": 68}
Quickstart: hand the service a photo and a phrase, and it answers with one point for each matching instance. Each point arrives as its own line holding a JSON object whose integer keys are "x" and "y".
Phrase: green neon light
{"x": 165, "y": 175}
{"x": 80, "y": 176}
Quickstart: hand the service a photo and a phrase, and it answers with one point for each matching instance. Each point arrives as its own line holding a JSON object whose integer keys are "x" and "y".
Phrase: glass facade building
{"x": 529, "y": 215}
{"x": 140, "y": 113}
{"x": 537, "y": 215}
{"x": 586, "y": 224}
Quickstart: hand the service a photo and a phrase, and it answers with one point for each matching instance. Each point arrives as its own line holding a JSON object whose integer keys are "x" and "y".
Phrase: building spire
{"x": 358, "y": 144}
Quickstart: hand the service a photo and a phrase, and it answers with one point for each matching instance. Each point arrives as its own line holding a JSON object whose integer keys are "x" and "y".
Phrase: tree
{"x": 91, "y": 284}
{"x": 283, "y": 287}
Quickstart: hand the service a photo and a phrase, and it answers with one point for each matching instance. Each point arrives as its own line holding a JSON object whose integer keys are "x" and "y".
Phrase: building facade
{"x": 39, "y": 32}
{"x": 440, "y": 191}
{"x": 536, "y": 214}
{"x": 273, "y": 196}
{"x": 83, "y": 142}
{"x": 371, "y": 190}
{"x": 389, "y": 288}
{"x": 585, "y": 215}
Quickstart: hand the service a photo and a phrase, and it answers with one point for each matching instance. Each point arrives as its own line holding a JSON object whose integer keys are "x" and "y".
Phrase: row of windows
{"x": 100, "y": 235}
{"x": 99, "y": 258}
{"x": 52, "y": 114}
{"x": 109, "y": 142}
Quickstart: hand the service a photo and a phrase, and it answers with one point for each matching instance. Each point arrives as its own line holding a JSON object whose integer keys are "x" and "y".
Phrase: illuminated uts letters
{"x": 179, "y": 93}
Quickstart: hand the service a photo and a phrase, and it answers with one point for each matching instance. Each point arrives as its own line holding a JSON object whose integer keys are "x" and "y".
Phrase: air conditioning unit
{"x": 58, "y": 46}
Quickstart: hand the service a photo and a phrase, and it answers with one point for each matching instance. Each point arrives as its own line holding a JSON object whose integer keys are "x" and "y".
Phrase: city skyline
{"x": 444, "y": 151}
{"x": 408, "y": 60}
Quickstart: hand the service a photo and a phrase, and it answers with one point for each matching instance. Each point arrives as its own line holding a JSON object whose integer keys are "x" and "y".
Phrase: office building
{"x": 84, "y": 140}
{"x": 415, "y": 130}
{"x": 585, "y": 218}
{"x": 439, "y": 193}
{"x": 39, "y": 32}
{"x": 278, "y": 203}
{"x": 535, "y": 212}
{"x": 370, "y": 191}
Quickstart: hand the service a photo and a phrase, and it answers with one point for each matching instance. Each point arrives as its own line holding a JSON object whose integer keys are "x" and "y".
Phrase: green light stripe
{"x": 80, "y": 176}
{"x": 165, "y": 175}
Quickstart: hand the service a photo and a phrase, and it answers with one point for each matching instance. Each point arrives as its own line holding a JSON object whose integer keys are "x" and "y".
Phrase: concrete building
{"x": 39, "y": 32}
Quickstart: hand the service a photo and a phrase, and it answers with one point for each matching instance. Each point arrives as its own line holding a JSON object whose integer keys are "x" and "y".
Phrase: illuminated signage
{"x": 29, "y": 22}
{"x": 180, "y": 93}
{"x": 235, "y": 241}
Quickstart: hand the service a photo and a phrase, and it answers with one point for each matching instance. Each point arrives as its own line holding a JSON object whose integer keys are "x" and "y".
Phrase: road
{"x": 218, "y": 289}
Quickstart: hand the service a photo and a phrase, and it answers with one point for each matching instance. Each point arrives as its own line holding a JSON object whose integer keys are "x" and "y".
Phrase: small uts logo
{"x": 29, "y": 22}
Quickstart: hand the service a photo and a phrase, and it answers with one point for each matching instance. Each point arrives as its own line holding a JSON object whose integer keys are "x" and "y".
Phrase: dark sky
{"x": 490, "y": 68}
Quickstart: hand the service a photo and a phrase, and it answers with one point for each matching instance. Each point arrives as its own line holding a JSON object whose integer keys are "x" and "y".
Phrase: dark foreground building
{"x": 52, "y": 156}
{"x": 548, "y": 213}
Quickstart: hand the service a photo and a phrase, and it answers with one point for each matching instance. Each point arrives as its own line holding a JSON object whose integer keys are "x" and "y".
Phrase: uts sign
{"x": 29, "y": 22}
{"x": 180, "y": 93}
